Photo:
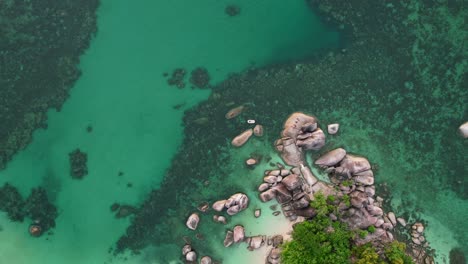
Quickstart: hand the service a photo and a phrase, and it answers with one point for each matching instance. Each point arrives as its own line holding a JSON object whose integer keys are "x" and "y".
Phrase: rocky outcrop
{"x": 236, "y": 203}
{"x": 300, "y": 133}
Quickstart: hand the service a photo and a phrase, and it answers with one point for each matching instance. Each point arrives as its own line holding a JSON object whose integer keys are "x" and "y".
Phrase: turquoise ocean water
{"x": 123, "y": 95}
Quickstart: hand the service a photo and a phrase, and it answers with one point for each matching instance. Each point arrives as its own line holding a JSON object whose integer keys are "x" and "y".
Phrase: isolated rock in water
{"x": 258, "y": 130}
{"x": 242, "y": 138}
{"x": 333, "y": 128}
{"x": 354, "y": 164}
{"x": 219, "y": 205}
{"x": 186, "y": 249}
{"x": 295, "y": 122}
{"x": 257, "y": 213}
{"x": 229, "y": 239}
{"x": 234, "y": 112}
{"x": 251, "y": 162}
{"x": 192, "y": 221}
{"x": 331, "y": 158}
{"x": 239, "y": 234}
{"x": 291, "y": 154}
{"x": 191, "y": 256}
{"x": 463, "y": 129}
{"x": 206, "y": 260}
{"x": 315, "y": 142}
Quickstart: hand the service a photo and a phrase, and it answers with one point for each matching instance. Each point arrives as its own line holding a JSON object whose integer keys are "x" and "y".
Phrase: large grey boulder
{"x": 292, "y": 181}
{"x": 291, "y": 154}
{"x": 315, "y": 141}
{"x": 256, "y": 242}
{"x": 239, "y": 234}
{"x": 331, "y": 158}
{"x": 282, "y": 193}
{"x": 219, "y": 205}
{"x": 352, "y": 164}
{"x": 298, "y": 123}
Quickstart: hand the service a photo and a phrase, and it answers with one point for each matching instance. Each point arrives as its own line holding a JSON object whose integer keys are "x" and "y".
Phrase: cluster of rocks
{"x": 242, "y": 138}
{"x": 234, "y": 204}
{"x": 300, "y": 133}
{"x": 199, "y": 78}
{"x": 237, "y": 235}
{"x": 290, "y": 190}
{"x": 78, "y": 167}
{"x": 191, "y": 256}
{"x": 177, "y": 78}
{"x": 352, "y": 181}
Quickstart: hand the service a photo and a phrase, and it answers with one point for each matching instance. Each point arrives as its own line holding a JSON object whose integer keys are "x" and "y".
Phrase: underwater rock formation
{"x": 200, "y": 78}
{"x": 36, "y": 207}
{"x": 41, "y": 43}
{"x": 78, "y": 166}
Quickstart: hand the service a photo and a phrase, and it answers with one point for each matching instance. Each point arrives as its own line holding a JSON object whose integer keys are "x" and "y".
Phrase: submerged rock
{"x": 234, "y": 112}
{"x": 78, "y": 167}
